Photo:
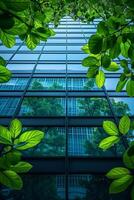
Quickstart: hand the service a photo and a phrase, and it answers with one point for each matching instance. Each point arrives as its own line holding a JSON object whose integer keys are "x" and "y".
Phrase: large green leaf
{"x": 85, "y": 48}
{"x": 5, "y": 74}
{"x": 13, "y": 157}
{"x": 121, "y": 85}
{"x": 89, "y": 61}
{"x": 95, "y": 44}
{"x": 17, "y": 5}
{"x": 115, "y": 50}
{"x": 5, "y": 135}
{"x": 7, "y": 39}
{"x": 15, "y": 128}
{"x": 130, "y": 88}
{"x": 2, "y": 61}
{"x": 100, "y": 79}
{"x": 121, "y": 184}
{"x": 128, "y": 160}
{"x": 124, "y": 49}
{"x": 105, "y": 61}
{"x": 31, "y": 41}
{"x": 108, "y": 142}
{"x": 124, "y": 124}
{"x": 21, "y": 167}
{"x": 29, "y": 139}
{"x": 113, "y": 67}
{"x": 110, "y": 128}
{"x": 92, "y": 71}
{"x": 117, "y": 172}
{"x": 11, "y": 179}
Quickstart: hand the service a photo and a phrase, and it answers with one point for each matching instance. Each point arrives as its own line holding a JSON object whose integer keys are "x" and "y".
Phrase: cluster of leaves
{"x": 113, "y": 41}
{"x": 14, "y": 141}
{"x": 122, "y": 176}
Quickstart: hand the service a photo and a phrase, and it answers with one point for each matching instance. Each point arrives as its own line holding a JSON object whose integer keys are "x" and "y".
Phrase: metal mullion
{"x": 66, "y": 128}
{"x": 26, "y": 88}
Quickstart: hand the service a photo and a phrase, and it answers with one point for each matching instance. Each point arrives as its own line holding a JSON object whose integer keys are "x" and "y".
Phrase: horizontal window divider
{"x": 55, "y": 74}
{"x": 61, "y": 93}
{"x": 76, "y": 165}
{"x": 58, "y": 121}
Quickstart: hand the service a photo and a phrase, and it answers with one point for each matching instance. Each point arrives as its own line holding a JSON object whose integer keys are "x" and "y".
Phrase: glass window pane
{"x": 14, "y": 84}
{"x": 123, "y": 105}
{"x": 53, "y": 68}
{"x": 21, "y": 67}
{"x": 48, "y": 84}
{"x": 54, "y": 48}
{"x": 43, "y": 106}
{"x": 75, "y": 56}
{"x": 81, "y": 84}
{"x": 8, "y": 106}
{"x": 74, "y": 48}
{"x": 25, "y": 57}
{"x": 6, "y": 56}
{"x": 25, "y": 48}
{"x": 38, "y": 186}
{"x": 53, "y": 143}
{"x": 92, "y": 187}
{"x": 3, "y": 48}
{"x": 84, "y": 141}
{"x": 88, "y": 107}
{"x": 53, "y": 57}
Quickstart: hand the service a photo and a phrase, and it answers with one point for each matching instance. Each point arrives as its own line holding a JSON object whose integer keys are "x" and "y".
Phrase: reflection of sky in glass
{"x": 129, "y": 101}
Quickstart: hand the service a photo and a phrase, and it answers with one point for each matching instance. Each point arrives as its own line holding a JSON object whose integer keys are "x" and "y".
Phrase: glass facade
{"x": 49, "y": 91}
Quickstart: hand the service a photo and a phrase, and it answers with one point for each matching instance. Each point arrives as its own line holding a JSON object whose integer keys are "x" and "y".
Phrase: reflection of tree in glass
{"x": 97, "y": 189}
{"x": 43, "y": 106}
{"x": 54, "y": 140}
{"x": 100, "y": 107}
{"x": 37, "y": 187}
{"x": 52, "y": 145}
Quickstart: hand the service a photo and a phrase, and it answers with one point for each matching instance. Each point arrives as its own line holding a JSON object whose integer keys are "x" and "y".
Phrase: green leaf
{"x": 105, "y": 61}
{"x": 95, "y": 44}
{"x": 108, "y": 142}
{"x": 2, "y": 61}
{"x": 124, "y": 124}
{"x": 5, "y": 74}
{"x": 120, "y": 184}
{"x": 128, "y": 160}
{"x": 124, "y": 48}
{"x": 132, "y": 193}
{"x": 102, "y": 28}
{"x": 6, "y": 21}
{"x": 124, "y": 64}
{"x": 100, "y": 79}
{"x": 130, "y": 150}
{"x": 113, "y": 67}
{"x": 115, "y": 50}
{"x": 11, "y": 179}
{"x": 85, "y": 49}
{"x": 89, "y": 61}
{"x": 13, "y": 157}
{"x": 29, "y": 139}
{"x": 117, "y": 172}
{"x": 110, "y": 128}
{"x": 7, "y": 39}
{"x": 5, "y": 135}
{"x": 17, "y": 5}
{"x": 15, "y": 128}
{"x": 121, "y": 85}
{"x": 92, "y": 71}
{"x": 21, "y": 167}
{"x": 31, "y": 41}
{"x": 130, "y": 88}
